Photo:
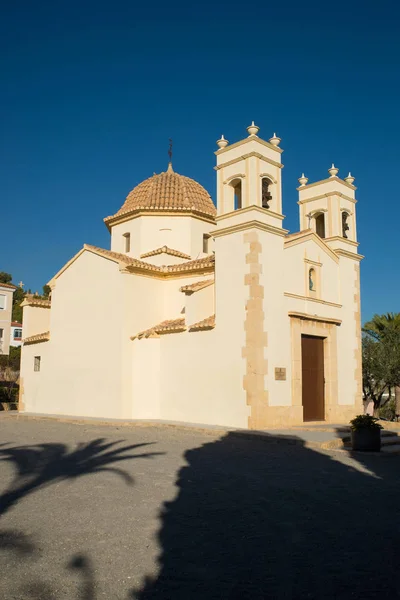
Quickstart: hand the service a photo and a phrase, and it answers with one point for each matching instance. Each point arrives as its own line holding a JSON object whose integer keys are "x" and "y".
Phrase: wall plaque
{"x": 280, "y": 373}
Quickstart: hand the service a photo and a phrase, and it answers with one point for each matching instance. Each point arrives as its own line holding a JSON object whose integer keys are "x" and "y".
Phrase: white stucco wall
{"x": 132, "y": 227}
{"x": 276, "y": 320}
{"x": 296, "y": 269}
{"x": 200, "y": 381}
{"x": 149, "y": 232}
{"x": 83, "y": 364}
{"x": 200, "y": 305}
{"x": 35, "y": 385}
{"x": 347, "y": 341}
{"x": 36, "y": 320}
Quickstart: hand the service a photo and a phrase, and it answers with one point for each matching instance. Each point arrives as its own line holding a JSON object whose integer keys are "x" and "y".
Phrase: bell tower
{"x": 328, "y": 207}
{"x": 249, "y": 176}
{"x": 249, "y": 281}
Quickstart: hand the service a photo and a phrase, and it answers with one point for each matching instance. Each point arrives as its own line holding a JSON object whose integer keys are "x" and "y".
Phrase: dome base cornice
{"x": 148, "y": 212}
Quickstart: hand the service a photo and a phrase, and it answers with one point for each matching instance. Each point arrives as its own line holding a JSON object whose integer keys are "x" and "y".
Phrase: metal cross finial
{"x": 170, "y": 150}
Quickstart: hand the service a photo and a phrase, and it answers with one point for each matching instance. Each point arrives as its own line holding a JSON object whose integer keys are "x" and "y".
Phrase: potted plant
{"x": 365, "y": 433}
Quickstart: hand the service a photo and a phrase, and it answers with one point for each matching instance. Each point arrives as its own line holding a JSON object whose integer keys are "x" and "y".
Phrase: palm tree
{"x": 378, "y": 327}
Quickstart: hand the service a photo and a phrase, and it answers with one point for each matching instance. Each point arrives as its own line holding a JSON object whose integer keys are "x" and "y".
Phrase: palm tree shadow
{"x": 41, "y": 465}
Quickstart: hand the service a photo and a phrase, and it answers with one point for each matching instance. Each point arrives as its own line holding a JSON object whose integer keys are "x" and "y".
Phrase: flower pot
{"x": 365, "y": 439}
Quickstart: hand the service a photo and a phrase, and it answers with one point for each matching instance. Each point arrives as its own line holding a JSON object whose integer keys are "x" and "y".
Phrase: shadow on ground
{"x": 262, "y": 518}
{"x": 41, "y": 465}
{"x": 269, "y": 518}
{"x": 20, "y": 546}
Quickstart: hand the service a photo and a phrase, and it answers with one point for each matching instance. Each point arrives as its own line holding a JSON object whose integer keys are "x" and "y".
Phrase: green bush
{"x": 12, "y": 360}
{"x": 364, "y": 422}
{"x": 389, "y": 410}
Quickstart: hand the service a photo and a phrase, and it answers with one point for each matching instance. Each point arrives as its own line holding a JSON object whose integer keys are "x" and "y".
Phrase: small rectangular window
{"x": 2, "y": 302}
{"x": 206, "y": 238}
{"x": 127, "y": 237}
{"x": 1, "y": 334}
{"x": 17, "y": 334}
{"x": 36, "y": 365}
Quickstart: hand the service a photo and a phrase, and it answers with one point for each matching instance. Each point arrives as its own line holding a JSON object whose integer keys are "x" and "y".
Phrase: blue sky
{"x": 91, "y": 92}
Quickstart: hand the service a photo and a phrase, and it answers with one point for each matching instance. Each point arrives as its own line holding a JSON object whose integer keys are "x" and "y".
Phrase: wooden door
{"x": 312, "y": 357}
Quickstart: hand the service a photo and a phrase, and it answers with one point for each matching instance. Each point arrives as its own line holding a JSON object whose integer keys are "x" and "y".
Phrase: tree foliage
{"x": 381, "y": 324}
{"x": 12, "y": 360}
{"x": 19, "y": 295}
{"x": 5, "y": 277}
{"x": 46, "y": 291}
{"x": 381, "y": 358}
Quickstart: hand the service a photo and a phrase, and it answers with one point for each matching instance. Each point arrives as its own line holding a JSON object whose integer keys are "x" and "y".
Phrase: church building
{"x": 204, "y": 314}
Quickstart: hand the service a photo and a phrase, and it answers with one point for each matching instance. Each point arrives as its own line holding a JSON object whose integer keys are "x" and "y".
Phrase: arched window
{"x": 127, "y": 238}
{"x": 345, "y": 225}
{"x": 320, "y": 224}
{"x": 237, "y": 190}
{"x": 266, "y": 196}
{"x": 311, "y": 280}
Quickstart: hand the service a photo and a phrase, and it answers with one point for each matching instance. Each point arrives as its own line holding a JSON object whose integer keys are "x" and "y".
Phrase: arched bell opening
{"x": 236, "y": 184}
{"x": 345, "y": 224}
{"x": 320, "y": 224}
{"x": 266, "y": 196}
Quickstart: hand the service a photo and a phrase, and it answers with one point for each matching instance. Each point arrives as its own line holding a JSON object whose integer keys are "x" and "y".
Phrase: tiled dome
{"x": 168, "y": 191}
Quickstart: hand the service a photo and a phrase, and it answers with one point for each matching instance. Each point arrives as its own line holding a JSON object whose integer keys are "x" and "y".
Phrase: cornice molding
{"x": 251, "y": 138}
{"x": 134, "y": 214}
{"x": 313, "y": 262}
{"x": 246, "y": 209}
{"x": 305, "y": 200}
{"x": 311, "y": 235}
{"x": 342, "y": 239}
{"x": 250, "y": 225}
{"x": 307, "y": 317}
{"x": 308, "y": 298}
{"x": 347, "y": 254}
{"x": 328, "y": 180}
{"x": 249, "y": 155}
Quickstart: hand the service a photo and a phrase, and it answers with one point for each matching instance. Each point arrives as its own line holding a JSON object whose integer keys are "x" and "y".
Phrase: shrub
{"x": 388, "y": 411}
{"x": 364, "y": 422}
{"x": 12, "y": 360}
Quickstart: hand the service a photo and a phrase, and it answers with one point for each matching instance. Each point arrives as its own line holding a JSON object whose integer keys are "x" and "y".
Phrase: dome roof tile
{"x": 168, "y": 191}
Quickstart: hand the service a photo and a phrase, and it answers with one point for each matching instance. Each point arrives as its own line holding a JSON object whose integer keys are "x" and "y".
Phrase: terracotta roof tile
{"x": 195, "y": 287}
{"x": 199, "y": 264}
{"x": 167, "y": 191}
{"x": 169, "y": 326}
{"x": 16, "y": 324}
{"x": 166, "y": 250}
{"x": 8, "y": 286}
{"x": 31, "y": 300}
{"x": 39, "y": 337}
{"x": 208, "y": 323}
{"x": 117, "y": 256}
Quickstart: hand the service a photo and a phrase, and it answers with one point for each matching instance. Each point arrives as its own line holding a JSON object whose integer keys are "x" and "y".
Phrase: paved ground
{"x": 92, "y": 511}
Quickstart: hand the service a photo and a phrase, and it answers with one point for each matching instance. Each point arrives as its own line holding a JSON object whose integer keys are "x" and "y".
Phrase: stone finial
{"x": 222, "y": 142}
{"x": 275, "y": 140}
{"x": 349, "y": 178}
{"x": 303, "y": 180}
{"x": 333, "y": 171}
{"x": 253, "y": 129}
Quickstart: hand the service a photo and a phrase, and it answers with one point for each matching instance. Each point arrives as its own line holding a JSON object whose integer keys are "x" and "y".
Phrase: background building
{"x": 6, "y": 304}
{"x": 16, "y": 334}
